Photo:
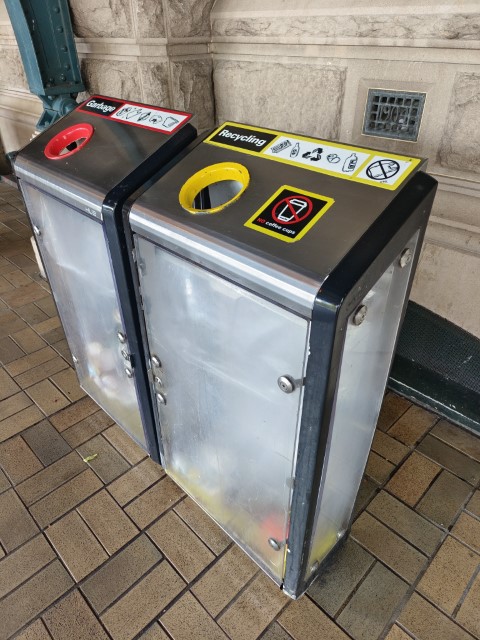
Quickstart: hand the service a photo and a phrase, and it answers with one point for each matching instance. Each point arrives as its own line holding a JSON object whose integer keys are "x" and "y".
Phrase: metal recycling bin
{"x": 75, "y": 179}
{"x": 274, "y": 271}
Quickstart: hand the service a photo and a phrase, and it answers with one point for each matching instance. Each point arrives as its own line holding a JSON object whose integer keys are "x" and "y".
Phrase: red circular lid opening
{"x": 68, "y": 141}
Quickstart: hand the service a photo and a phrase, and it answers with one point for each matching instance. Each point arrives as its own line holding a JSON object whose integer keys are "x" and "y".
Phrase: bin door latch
{"x": 287, "y": 384}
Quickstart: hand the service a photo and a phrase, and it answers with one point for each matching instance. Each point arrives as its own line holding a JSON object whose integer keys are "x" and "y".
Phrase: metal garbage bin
{"x": 274, "y": 271}
{"x": 75, "y": 178}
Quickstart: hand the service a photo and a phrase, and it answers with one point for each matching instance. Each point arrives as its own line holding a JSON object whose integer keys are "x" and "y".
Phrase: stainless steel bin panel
{"x": 367, "y": 357}
{"x": 74, "y": 254}
{"x": 228, "y": 431}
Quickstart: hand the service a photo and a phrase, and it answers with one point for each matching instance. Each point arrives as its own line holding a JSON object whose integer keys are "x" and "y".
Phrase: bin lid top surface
{"x": 86, "y": 153}
{"x": 302, "y": 206}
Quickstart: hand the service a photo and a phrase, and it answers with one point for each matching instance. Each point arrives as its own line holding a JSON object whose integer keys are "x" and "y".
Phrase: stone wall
{"x": 304, "y": 66}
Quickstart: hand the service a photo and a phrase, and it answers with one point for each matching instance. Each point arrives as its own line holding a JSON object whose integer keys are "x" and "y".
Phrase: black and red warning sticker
{"x": 136, "y": 114}
{"x": 290, "y": 213}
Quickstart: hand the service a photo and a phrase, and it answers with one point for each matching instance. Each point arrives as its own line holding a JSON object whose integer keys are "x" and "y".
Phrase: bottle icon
{"x": 295, "y": 151}
{"x": 350, "y": 163}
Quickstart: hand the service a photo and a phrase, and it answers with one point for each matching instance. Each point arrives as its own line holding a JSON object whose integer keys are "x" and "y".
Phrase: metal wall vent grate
{"x": 393, "y": 114}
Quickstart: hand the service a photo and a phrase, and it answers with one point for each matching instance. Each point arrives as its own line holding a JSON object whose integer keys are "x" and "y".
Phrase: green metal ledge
{"x": 437, "y": 365}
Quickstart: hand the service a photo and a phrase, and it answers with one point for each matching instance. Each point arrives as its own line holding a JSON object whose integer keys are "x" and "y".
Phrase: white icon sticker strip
{"x": 317, "y": 155}
{"x": 159, "y": 119}
{"x": 384, "y": 170}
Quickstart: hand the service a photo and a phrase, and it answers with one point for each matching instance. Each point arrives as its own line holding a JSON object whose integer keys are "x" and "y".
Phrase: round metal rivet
{"x": 158, "y": 381}
{"x": 274, "y": 544}
{"x": 121, "y": 337}
{"x": 75, "y": 360}
{"x": 62, "y": 77}
{"x": 405, "y": 257}
{"x": 161, "y": 398}
{"x": 286, "y": 384}
{"x": 128, "y": 372}
{"x": 125, "y": 354}
{"x": 314, "y": 567}
{"x": 359, "y": 315}
{"x": 59, "y": 29}
{"x": 36, "y": 230}
{"x": 156, "y": 361}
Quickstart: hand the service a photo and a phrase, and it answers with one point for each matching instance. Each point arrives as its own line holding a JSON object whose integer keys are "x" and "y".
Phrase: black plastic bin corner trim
{"x": 340, "y": 294}
{"x": 120, "y": 244}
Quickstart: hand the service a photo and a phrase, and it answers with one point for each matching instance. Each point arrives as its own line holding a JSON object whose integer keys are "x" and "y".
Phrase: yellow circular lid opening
{"x": 214, "y": 187}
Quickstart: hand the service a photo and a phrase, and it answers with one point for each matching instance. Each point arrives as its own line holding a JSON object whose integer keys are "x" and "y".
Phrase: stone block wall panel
{"x": 295, "y": 96}
{"x": 192, "y": 89}
{"x": 150, "y": 18}
{"x": 102, "y": 18}
{"x": 189, "y": 18}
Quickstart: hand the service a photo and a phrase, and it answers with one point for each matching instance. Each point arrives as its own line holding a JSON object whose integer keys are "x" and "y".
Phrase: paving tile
{"x": 48, "y": 325}
{"x": 367, "y": 490}
{"x": 47, "y": 305}
{"x": 205, "y": 528}
{"x": 448, "y": 574}
{"x": 411, "y": 526}
{"x": 14, "y": 404}
{"x": 73, "y": 618}
{"x": 74, "y": 413}
{"x": 132, "y": 483}
{"x": 154, "y": 633}
{"x": 467, "y": 529}
{"x": 444, "y": 499}
{"x": 378, "y": 468}
{"x": 28, "y": 340}
{"x": 340, "y": 577}
{"x": 393, "y": 407}
{"x": 254, "y": 609}
{"x": 8, "y": 386}
{"x": 275, "y": 632}
{"x": 224, "y": 580}
{"x": 17, "y": 278}
{"x": 64, "y": 350}
{"x": 413, "y": 478}
{"x": 305, "y": 621}
{"x": 107, "y": 521}
{"x": 388, "y": 547}
{"x": 373, "y": 604}
{"x": 10, "y": 322}
{"x": 46, "y": 442}
{"x": 54, "y": 336}
{"x": 456, "y": 462}
{"x": 118, "y": 574}
{"x": 66, "y": 497}
{"x": 19, "y": 566}
{"x": 16, "y": 524}
{"x": 51, "y": 478}
{"x": 31, "y": 312}
{"x": 474, "y": 504}
{"x": 9, "y": 350}
{"x": 469, "y": 613}
{"x": 17, "y": 460}
{"x": 108, "y": 463}
{"x": 35, "y": 631}
{"x": 24, "y": 295}
{"x": 458, "y": 438}
{"x": 4, "y": 483}
{"x": 67, "y": 382}
{"x": 396, "y": 633}
{"x": 5, "y": 285}
{"x": 24, "y": 604}
{"x": 151, "y": 504}
{"x": 388, "y": 447}
{"x": 37, "y": 374}
{"x": 181, "y": 546}
{"x": 31, "y": 360}
{"x": 412, "y": 425}
{"x": 47, "y": 397}
{"x": 76, "y": 545}
{"x": 188, "y": 620}
{"x": 144, "y": 603}
{"x": 125, "y": 445}
{"x": 87, "y": 428}
{"x": 426, "y": 622}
